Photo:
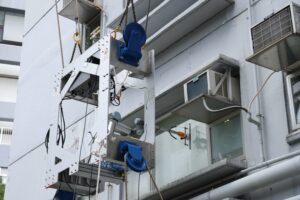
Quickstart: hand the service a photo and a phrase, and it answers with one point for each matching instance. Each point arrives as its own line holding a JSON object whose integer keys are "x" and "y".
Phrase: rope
{"x": 76, "y": 38}
{"x": 133, "y": 11}
{"x": 124, "y": 16}
{"x": 59, "y": 34}
{"x": 147, "y": 18}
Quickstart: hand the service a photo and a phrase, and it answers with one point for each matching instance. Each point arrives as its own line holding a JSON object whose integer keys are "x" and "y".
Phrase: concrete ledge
{"x": 196, "y": 180}
{"x": 293, "y": 138}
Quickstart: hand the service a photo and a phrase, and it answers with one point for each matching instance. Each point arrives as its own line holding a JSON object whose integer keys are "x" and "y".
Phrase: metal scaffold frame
{"x": 65, "y": 160}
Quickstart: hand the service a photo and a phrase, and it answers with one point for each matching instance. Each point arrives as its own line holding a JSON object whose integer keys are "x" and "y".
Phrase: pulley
{"x": 130, "y": 51}
{"x": 132, "y": 153}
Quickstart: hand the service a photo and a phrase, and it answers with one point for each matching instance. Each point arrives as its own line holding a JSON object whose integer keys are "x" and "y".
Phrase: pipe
{"x": 254, "y": 181}
{"x": 294, "y": 198}
{"x": 260, "y": 126}
{"x": 270, "y": 162}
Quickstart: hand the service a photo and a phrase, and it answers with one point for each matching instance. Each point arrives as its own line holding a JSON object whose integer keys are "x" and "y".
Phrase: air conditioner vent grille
{"x": 272, "y": 29}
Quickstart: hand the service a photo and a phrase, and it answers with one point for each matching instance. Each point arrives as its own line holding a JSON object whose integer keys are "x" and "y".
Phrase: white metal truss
{"x": 60, "y": 159}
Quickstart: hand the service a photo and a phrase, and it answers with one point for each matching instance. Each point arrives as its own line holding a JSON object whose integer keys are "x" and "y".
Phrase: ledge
{"x": 293, "y": 137}
{"x": 201, "y": 178}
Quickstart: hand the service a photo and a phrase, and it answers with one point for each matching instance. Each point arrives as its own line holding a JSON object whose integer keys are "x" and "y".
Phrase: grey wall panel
{"x": 15, "y": 4}
{"x": 10, "y": 53}
{"x": 37, "y": 98}
{"x": 28, "y": 172}
{"x": 4, "y": 155}
{"x": 7, "y": 111}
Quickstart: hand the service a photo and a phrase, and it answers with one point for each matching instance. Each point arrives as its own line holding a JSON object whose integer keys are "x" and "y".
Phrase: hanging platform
{"x": 86, "y": 9}
{"x": 84, "y": 181}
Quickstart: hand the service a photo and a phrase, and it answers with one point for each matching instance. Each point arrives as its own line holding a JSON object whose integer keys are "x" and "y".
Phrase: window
{"x": 3, "y": 175}
{"x": 211, "y": 143}
{"x": 5, "y": 135}
{"x": 226, "y": 139}
{"x": 11, "y": 27}
{"x": 175, "y": 157}
{"x": 293, "y": 92}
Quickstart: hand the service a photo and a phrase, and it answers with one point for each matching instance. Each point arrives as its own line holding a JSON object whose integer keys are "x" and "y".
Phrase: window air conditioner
{"x": 276, "y": 40}
{"x": 213, "y": 83}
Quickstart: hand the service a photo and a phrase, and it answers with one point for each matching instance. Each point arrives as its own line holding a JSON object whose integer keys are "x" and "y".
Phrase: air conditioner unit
{"x": 213, "y": 83}
{"x": 81, "y": 10}
{"x": 276, "y": 40}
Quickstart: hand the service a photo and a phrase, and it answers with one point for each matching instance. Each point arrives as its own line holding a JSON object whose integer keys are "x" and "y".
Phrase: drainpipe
{"x": 279, "y": 172}
{"x": 250, "y": 119}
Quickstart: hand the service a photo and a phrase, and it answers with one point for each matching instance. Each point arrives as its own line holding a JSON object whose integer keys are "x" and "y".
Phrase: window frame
{"x": 221, "y": 120}
{"x": 294, "y": 127}
{"x": 12, "y": 11}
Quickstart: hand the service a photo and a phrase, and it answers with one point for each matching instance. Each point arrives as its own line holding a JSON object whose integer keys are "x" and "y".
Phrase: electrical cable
{"x": 153, "y": 180}
{"x": 47, "y": 140}
{"x": 259, "y": 91}
{"x": 91, "y": 88}
{"x": 222, "y": 109}
{"x": 171, "y": 133}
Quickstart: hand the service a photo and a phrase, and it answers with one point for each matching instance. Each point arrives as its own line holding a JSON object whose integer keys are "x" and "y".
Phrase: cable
{"x": 171, "y": 133}
{"x": 147, "y": 18}
{"x": 222, "y": 109}
{"x": 259, "y": 91}
{"x": 47, "y": 140}
{"x": 153, "y": 180}
{"x": 133, "y": 11}
{"x": 139, "y": 182}
{"x": 59, "y": 35}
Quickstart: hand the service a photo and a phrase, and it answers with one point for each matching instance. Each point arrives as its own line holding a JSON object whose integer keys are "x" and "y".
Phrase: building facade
{"x": 11, "y": 36}
{"x": 229, "y": 153}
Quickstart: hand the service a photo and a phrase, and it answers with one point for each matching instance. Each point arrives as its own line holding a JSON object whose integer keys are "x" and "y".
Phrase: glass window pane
{"x": 2, "y": 16}
{"x": 13, "y": 27}
{"x": 226, "y": 139}
{"x": 174, "y": 159}
{"x": 296, "y": 97}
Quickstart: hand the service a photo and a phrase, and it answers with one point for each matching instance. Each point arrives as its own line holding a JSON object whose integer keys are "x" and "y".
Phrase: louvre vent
{"x": 272, "y": 29}
{"x": 5, "y": 136}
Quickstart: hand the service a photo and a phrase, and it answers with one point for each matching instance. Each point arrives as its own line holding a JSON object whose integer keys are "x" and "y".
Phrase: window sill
{"x": 191, "y": 183}
{"x": 293, "y": 137}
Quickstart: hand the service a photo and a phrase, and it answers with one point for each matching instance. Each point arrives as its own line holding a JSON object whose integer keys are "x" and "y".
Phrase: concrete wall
{"x": 227, "y": 33}
{"x": 14, "y": 4}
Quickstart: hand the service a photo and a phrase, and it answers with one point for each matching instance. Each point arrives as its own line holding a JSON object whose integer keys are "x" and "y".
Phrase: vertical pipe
{"x": 260, "y": 129}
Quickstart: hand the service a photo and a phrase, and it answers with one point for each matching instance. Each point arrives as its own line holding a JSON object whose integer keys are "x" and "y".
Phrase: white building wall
{"x": 227, "y": 33}
{"x": 8, "y": 90}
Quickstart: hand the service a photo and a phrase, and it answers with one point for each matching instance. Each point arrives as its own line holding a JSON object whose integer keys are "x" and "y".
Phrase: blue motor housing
{"x": 134, "y": 156}
{"x": 64, "y": 195}
{"x": 130, "y": 51}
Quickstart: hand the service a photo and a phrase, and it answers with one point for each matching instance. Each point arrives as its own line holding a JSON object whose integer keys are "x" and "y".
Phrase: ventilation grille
{"x": 272, "y": 29}
{"x": 5, "y": 136}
